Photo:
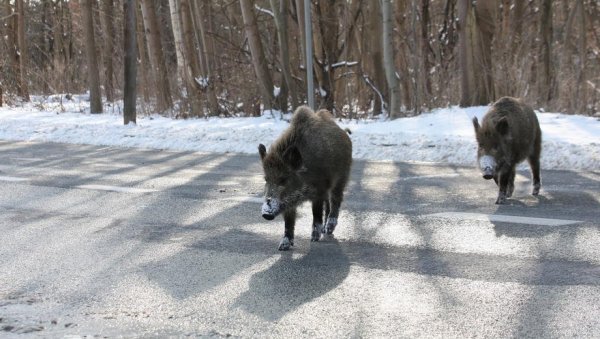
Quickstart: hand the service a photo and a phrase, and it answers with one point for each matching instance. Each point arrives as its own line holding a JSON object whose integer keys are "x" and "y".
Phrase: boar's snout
{"x": 488, "y": 173}
{"x": 270, "y": 208}
{"x": 487, "y": 164}
{"x": 268, "y": 216}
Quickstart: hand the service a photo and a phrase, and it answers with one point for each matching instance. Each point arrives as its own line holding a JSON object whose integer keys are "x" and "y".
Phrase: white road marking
{"x": 116, "y": 188}
{"x": 448, "y": 175}
{"x": 504, "y": 218}
{"x": 258, "y": 200}
{"x": 12, "y": 179}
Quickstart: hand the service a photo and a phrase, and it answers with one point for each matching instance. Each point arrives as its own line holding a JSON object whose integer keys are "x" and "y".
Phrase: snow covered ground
{"x": 441, "y": 136}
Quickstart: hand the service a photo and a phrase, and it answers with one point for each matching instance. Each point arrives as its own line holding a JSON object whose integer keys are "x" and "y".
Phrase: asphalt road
{"x": 106, "y": 241}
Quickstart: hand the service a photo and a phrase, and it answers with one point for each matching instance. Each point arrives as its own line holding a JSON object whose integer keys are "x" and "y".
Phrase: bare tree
{"x": 91, "y": 56}
{"x": 280, "y": 10}
{"x": 545, "y": 71}
{"x": 259, "y": 60}
{"x": 107, "y": 16}
{"x": 206, "y": 83}
{"x": 476, "y": 31}
{"x": 388, "y": 57}
{"x": 130, "y": 62}
{"x": 374, "y": 49}
{"x": 155, "y": 54}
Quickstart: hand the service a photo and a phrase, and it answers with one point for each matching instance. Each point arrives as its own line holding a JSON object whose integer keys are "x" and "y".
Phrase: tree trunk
{"x": 328, "y": 27}
{"x": 388, "y": 57}
{"x": 155, "y": 53}
{"x": 405, "y": 83}
{"x": 177, "y": 37}
{"x": 374, "y": 51}
{"x": 190, "y": 55}
{"x": 475, "y": 36}
{"x": 208, "y": 83}
{"x": 142, "y": 79}
{"x": 280, "y": 10}
{"x": 426, "y": 47}
{"x": 416, "y": 59}
{"x": 545, "y": 72}
{"x": 91, "y": 56}
{"x": 108, "y": 14}
{"x": 580, "y": 93}
{"x": 130, "y": 62}
{"x": 23, "y": 88}
{"x": 259, "y": 61}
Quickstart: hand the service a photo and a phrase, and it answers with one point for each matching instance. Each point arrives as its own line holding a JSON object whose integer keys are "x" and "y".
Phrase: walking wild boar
{"x": 509, "y": 133}
{"x": 310, "y": 161}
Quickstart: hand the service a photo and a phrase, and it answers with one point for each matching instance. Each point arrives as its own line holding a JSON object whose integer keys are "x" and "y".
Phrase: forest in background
{"x": 199, "y": 58}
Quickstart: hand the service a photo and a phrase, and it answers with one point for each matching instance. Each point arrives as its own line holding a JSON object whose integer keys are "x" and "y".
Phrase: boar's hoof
{"x": 536, "y": 189}
{"x": 285, "y": 244}
{"x": 316, "y": 232}
{"x": 501, "y": 198}
{"x": 330, "y": 226}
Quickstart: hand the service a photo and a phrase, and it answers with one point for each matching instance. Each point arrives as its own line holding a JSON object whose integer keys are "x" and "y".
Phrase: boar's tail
{"x": 348, "y": 130}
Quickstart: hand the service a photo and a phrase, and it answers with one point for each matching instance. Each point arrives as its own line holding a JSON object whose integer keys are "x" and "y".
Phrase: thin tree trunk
{"x": 475, "y": 35}
{"x": 91, "y": 56}
{"x": 375, "y": 54}
{"x": 545, "y": 72}
{"x": 485, "y": 15}
{"x": 22, "y": 53}
{"x": 130, "y": 62}
{"x": 580, "y": 93}
{"x": 259, "y": 61}
{"x": 280, "y": 9}
{"x": 416, "y": 58}
{"x": 193, "y": 64}
{"x": 208, "y": 83}
{"x": 144, "y": 83}
{"x": 108, "y": 13}
{"x": 177, "y": 37}
{"x": 426, "y": 47}
{"x": 157, "y": 59}
{"x": 405, "y": 87}
{"x": 301, "y": 28}
{"x": 388, "y": 57}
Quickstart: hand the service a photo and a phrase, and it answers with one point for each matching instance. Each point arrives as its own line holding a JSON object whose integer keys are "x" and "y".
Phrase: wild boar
{"x": 310, "y": 161}
{"x": 509, "y": 133}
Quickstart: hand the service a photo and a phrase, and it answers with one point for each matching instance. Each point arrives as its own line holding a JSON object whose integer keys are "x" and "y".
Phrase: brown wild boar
{"x": 509, "y": 133}
{"x": 310, "y": 161}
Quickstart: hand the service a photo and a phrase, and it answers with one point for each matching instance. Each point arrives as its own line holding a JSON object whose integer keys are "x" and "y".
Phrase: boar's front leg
{"x": 504, "y": 180}
{"x": 534, "y": 162}
{"x": 511, "y": 182}
{"x": 317, "y": 211}
{"x": 287, "y": 241}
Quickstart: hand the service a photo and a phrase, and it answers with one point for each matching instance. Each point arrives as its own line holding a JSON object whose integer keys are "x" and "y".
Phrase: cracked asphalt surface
{"x": 116, "y": 242}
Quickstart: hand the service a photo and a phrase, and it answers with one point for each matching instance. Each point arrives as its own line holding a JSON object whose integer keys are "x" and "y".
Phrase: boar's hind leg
{"x": 287, "y": 241}
{"x": 534, "y": 162}
{"x": 317, "y": 210}
{"x": 337, "y": 195}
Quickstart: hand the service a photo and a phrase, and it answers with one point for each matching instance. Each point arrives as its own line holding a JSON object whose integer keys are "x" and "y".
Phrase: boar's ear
{"x": 476, "y": 124}
{"x": 502, "y": 126}
{"x": 262, "y": 150}
{"x": 292, "y": 157}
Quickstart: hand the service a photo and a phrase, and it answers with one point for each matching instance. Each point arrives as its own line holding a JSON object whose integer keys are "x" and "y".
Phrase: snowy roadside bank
{"x": 441, "y": 136}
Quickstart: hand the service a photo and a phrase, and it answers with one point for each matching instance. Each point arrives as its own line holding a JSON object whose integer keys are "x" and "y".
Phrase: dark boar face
{"x": 283, "y": 187}
{"x": 491, "y": 143}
